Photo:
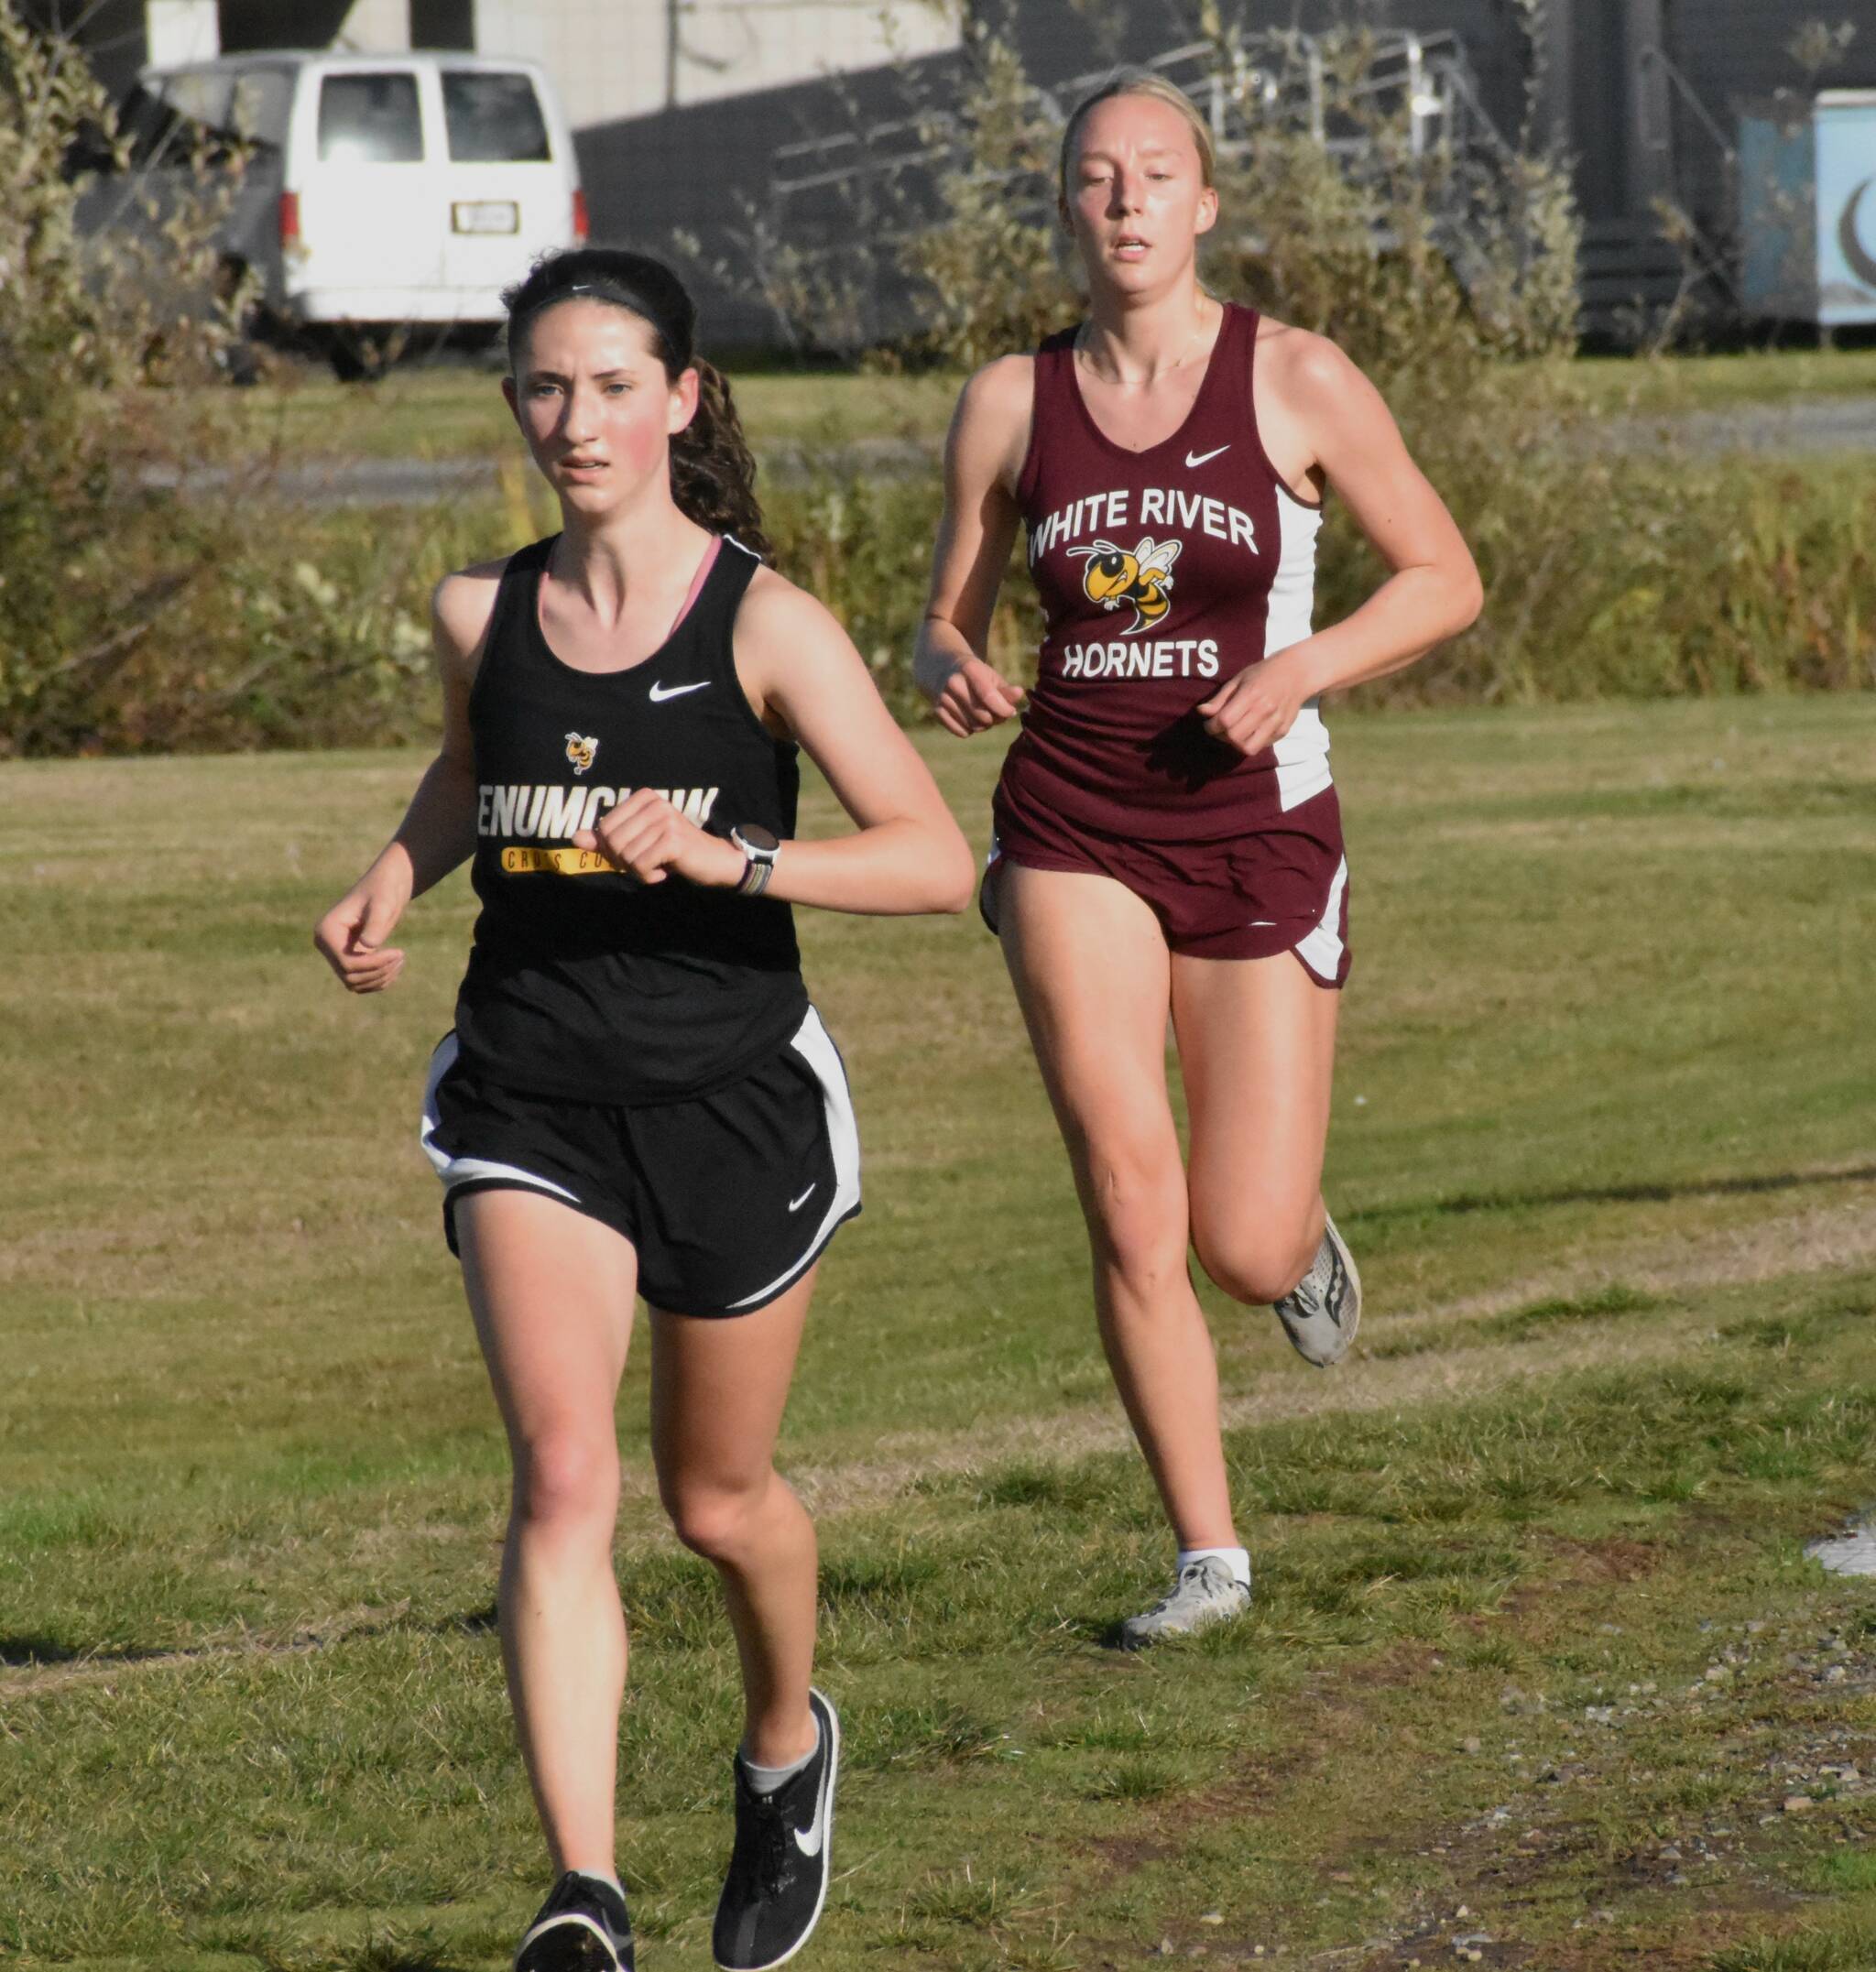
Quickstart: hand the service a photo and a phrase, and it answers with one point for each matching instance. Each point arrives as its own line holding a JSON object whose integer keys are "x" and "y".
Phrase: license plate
{"x": 485, "y": 216}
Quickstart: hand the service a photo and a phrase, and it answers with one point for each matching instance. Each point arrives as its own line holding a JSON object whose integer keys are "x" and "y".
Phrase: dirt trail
{"x": 1827, "y": 1238}
{"x": 1823, "y": 1239}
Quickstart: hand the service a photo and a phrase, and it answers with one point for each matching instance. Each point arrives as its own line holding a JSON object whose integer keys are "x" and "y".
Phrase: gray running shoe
{"x": 1322, "y": 1311}
{"x": 1205, "y": 1593}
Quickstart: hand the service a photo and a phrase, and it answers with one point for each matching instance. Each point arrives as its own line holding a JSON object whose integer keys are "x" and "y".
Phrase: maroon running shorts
{"x": 1283, "y": 888}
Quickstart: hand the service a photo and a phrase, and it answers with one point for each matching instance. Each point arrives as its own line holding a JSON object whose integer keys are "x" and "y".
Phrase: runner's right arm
{"x": 437, "y": 832}
{"x": 983, "y": 456}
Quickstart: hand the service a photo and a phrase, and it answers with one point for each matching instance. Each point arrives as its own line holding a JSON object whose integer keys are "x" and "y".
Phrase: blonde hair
{"x": 1139, "y": 82}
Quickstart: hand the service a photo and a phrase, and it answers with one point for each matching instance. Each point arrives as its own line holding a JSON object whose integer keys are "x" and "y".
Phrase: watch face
{"x": 753, "y": 836}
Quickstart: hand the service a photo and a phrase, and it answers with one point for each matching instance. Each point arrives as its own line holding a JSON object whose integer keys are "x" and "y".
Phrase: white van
{"x": 381, "y": 189}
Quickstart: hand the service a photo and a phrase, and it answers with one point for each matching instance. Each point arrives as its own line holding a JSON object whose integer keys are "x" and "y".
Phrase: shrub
{"x": 134, "y": 618}
{"x": 84, "y": 315}
{"x": 147, "y": 604}
{"x": 1608, "y": 573}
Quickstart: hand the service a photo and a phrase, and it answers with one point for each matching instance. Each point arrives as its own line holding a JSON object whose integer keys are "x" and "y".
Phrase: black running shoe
{"x": 778, "y": 1868}
{"x": 581, "y": 1927}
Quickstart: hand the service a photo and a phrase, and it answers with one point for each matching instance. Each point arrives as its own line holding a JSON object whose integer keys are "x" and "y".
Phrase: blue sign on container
{"x": 1807, "y": 209}
{"x": 1847, "y": 207}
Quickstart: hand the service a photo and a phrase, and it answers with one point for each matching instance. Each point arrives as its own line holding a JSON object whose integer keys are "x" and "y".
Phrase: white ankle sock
{"x": 1235, "y": 1558}
{"x": 600, "y": 1876}
{"x": 766, "y": 1780}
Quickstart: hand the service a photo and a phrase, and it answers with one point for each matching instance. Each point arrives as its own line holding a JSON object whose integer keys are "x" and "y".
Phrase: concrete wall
{"x": 182, "y": 30}
{"x": 690, "y": 170}
{"x": 613, "y": 59}
{"x": 609, "y": 58}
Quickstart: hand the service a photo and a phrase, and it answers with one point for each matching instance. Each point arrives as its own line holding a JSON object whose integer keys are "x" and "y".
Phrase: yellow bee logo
{"x": 1114, "y": 576}
{"x": 581, "y": 752}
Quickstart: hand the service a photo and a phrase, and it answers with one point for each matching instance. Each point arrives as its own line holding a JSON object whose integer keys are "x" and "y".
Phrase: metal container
{"x": 1807, "y": 209}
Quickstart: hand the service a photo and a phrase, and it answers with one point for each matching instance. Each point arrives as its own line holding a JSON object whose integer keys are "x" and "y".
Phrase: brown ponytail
{"x": 712, "y": 475}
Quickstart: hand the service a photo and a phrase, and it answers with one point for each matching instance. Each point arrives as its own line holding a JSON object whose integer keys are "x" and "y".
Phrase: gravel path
{"x": 1809, "y": 426}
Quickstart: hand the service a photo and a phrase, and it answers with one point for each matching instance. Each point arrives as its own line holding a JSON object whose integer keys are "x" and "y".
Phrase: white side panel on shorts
{"x": 1321, "y": 950}
{"x": 815, "y": 1045}
{"x": 1302, "y": 753}
{"x": 456, "y": 1170}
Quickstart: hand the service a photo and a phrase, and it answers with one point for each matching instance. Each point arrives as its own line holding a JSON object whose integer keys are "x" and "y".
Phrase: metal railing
{"x": 1278, "y": 78}
{"x": 1712, "y": 257}
{"x": 1664, "y": 140}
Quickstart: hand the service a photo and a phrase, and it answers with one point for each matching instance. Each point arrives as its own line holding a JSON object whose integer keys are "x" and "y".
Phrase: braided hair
{"x": 712, "y": 474}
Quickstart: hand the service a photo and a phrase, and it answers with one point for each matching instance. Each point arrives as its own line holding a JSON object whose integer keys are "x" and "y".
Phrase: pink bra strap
{"x": 698, "y": 580}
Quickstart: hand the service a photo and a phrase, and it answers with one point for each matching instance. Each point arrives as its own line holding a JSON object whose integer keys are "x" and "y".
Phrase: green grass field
{"x": 452, "y": 411}
{"x": 1538, "y": 1670}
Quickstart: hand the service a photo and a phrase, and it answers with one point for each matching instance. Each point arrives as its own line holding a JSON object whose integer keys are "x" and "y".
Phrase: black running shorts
{"x": 728, "y": 1199}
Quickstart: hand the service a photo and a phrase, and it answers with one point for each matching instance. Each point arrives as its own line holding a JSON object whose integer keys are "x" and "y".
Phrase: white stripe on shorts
{"x": 1321, "y": 949}
{"x": 461, "y": 1171}
{"x": 813, "y": 1043}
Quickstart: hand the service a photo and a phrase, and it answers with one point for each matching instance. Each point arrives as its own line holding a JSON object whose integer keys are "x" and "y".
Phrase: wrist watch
{"x": 760, "y": 848}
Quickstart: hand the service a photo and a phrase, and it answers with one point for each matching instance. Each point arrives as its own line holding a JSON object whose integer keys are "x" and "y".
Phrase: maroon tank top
{"x": 1161, "y": 573}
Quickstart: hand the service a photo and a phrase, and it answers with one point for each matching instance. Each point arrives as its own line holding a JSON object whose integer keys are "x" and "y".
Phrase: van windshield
{"x": 216, "y": 113}
{"x": 370, "y": 118}
{"x": 493, "y": 118}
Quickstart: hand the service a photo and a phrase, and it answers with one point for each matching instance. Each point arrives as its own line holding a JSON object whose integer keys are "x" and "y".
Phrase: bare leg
{"x": 552, "y": 1291}
{"x": 718, "y": 1388}
{"x": 1257, "y": 1048}
{"x": 1093, "y": 974}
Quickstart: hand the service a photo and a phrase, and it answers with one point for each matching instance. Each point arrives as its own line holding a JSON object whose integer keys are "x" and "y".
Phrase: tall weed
{"x": 85, "y": 314}
{"x": 1607, "y": 573}
{"x": 146, "y": 604}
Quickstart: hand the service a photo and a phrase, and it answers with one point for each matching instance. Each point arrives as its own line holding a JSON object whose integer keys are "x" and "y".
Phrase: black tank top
{"x": 584, "y": 983}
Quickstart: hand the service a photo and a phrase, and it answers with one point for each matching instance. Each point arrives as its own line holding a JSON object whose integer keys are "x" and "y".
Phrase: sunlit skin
{"x": 553, "y": 1290}
{"x": 1093, "y": 973}
{"x": 596, "y": 406}
{"x": 1138, "y": 203}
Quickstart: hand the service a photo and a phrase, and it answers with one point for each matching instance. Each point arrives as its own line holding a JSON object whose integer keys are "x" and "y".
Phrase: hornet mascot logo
{"x": 581, "y": 752}
{"x": 1113, "y": 576}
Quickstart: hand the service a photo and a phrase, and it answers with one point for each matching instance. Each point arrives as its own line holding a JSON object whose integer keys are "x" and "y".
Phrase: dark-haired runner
{"x": 1167, "y": 833}
{"x": 637, "y": 1096}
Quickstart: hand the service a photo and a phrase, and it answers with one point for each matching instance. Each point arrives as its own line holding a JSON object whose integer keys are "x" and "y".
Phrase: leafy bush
{"x": 864, "y": 547}
{"x": 84, "y": 315}
{"x": 990, "y": 273}
{"x": 1425, "y": 265}
{"x": 146, "y": 604}
{"x": 1607, "y": 573}
{"x": 139, "y": 612}
{"x": 312, "y": 630}
{"x": 1612, "y": 573}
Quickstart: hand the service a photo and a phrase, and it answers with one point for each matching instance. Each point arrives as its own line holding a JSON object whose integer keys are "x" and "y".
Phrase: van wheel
{"x": 241, "y": 364}
{"x": 355, "y": 355}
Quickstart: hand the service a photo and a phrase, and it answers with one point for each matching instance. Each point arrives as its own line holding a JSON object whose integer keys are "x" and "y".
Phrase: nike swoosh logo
{"x": 661, "y": 692}
{"x": 795, "y": 1204}
{"x": 807, "y": 1840}
{"x": 1199, "y": 458}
